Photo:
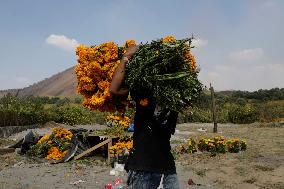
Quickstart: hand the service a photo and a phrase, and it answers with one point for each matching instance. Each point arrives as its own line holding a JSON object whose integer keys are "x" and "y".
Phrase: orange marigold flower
{"x": 44, "y": 138}
{"x": 55, "y": 154}
{"x": 129, "y": 43}
{"x": 169, "y": 39}
{"x": 144, "y": 102}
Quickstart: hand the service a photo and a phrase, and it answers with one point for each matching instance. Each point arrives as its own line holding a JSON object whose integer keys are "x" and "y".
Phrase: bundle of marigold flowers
{"x": 167, "y": 70}
{"x": 52, "y": 146}
{"x": 118, "y": 121}
{"x": 95, "y": 69}
{"x": 120, "y": 148}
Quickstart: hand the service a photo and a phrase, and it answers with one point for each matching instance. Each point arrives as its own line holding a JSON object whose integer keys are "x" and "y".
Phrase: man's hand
{"x": 130, "y": 51}
{"x": 118, "y": 77}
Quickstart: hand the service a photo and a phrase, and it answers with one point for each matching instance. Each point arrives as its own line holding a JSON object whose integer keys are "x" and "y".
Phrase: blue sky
{"x": 240, "y": 43}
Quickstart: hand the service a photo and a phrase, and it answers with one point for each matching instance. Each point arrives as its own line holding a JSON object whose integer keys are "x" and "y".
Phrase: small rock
{"x": 19, "y": 164}
{"x": 77, "y": 182}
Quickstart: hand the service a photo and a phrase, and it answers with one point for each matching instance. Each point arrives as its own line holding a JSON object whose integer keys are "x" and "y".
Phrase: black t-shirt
{"x": 153, "y": 127}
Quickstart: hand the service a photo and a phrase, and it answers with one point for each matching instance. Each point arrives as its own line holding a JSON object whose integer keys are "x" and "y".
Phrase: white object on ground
{"x": 112, "y": 172}
{"x": 119, "y": 169}
{"x": 77, "y": 182}
{"x": 202, "y": 129}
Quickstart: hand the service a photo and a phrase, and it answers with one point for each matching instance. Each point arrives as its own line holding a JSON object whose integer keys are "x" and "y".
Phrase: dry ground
{"x": 260, "y": 166}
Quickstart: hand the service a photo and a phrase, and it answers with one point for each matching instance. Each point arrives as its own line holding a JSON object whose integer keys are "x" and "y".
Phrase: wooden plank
{"x": 92, "y": 149}
{"x": 109, "y": 145}
{"x": 6, "y": 150}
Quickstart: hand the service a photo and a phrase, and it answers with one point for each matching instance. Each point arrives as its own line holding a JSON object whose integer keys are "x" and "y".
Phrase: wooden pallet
{"x": 108, "y": 141}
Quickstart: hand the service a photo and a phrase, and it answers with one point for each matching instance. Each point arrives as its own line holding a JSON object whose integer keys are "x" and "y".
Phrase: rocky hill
{"x": 61, "y": 84}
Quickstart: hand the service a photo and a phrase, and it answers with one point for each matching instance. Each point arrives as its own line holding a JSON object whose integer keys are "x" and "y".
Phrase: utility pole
{"x": 213, "y": 109}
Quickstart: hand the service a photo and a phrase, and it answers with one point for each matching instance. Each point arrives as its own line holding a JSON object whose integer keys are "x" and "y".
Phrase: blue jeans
{"x": 148, "y": 180}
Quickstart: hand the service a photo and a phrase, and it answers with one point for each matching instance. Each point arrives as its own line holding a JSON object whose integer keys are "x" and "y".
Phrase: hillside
{"x": 61, "y": 84}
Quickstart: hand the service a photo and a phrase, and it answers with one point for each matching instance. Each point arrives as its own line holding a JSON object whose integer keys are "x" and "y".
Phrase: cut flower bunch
{"x": 165, "y": 68}
{"x": 95, "y": 69}
{"x": 120, "y": 151}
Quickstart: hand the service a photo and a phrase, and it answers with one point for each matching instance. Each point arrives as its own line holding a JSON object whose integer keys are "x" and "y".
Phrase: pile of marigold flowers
{"x": 189, "y": 147}
{"x": 235, "y": 145}
{"x": 217, "y": 144}
{"x": 52, "y": 146}
{"x": 118, "y": 121}
{"x": 164, "y": 67}
{"x": 120, "y": 150}
{"x": 214, "y": 145}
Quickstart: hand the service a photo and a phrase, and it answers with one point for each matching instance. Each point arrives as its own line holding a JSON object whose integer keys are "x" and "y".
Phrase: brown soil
{"x": 260, "y": 166}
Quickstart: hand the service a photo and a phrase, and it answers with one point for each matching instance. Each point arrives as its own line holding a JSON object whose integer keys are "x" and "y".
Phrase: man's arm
{"x": 118, "y": 77}
{"x": 119, "y": 74}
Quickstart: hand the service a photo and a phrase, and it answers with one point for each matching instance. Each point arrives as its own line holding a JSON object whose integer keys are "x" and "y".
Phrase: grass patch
{"x": 263, "y": 168}
{"x": 271, "y": 124}
{"x": 241, "y": 171}
{"x": 278, "y": 185}
{"x": 249, "y": 155}
{"x": 176, "y": 141}
{"x": 250, "y": 180}
{"x": 201, "y": 172}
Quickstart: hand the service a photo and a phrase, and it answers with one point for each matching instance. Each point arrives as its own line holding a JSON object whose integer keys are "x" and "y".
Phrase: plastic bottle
{"x": 108, "y": 186}
{"x": 119, "y": 184}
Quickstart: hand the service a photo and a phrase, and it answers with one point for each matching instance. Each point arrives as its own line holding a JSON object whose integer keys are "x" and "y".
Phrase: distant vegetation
{"x": 239, "y": 107}
{"x": 33, "y": 110}
{"x": 232, "y": 107}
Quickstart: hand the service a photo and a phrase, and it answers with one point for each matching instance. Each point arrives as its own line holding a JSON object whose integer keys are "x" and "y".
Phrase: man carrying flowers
{"x": 150, "y": 160}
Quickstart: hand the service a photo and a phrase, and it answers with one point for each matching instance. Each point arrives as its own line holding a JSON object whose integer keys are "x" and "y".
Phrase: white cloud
{"x": 198, "y": 42}
{"x": 62, "y": 42}
{"x": 246, "y": 55}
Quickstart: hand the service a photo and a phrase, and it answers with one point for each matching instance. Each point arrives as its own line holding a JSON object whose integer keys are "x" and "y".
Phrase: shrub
{"x": 195, "y": 115}
{"x": 70, "y": 115}
{"x": 33, "y": 110}
{"x": 272, "y": 111}
{"x": 16, "y": 111}
{"x": 242, "y": 114}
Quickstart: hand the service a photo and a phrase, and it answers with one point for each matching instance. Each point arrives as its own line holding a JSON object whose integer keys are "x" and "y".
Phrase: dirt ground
{"x": 260, "y": 166}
